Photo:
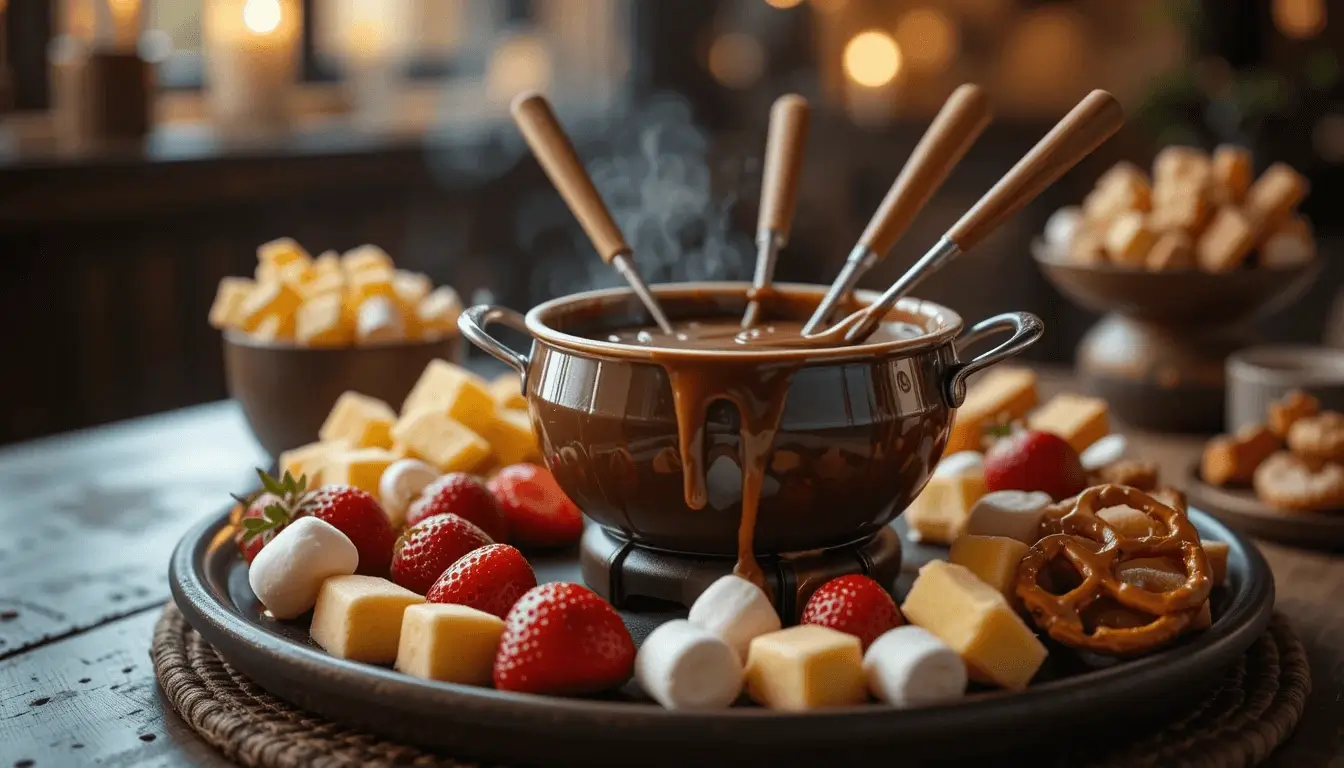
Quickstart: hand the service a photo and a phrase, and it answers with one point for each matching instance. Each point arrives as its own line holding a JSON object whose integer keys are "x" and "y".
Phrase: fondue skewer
{"x": 556, "y": 154}
{"x": 956, "y": 127}
{"x": 779, "y": 192}
{"x": 1096, "y": 118}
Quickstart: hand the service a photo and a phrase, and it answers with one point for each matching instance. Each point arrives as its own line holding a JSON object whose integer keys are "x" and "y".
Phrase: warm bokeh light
{"x": 1299, "y": 19}
{"x": 520, "y": 63}
{"x": 783, "y": 3}
{"x": 736, "y": 60}
{"x": 1046, "y": 54}
{"x": 829, "y": 6}
{"x": 262, "y": 16}
{"x": 928, "y": 38}
{"x": 872, "y": 59}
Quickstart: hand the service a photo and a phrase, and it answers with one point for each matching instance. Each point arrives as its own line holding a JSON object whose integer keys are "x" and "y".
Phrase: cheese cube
{"x": 1226, "y": 242}
{"x": 369, "y": 282}
{"x": 1231, "y": 174}
{"x": 324, "y": 283}
{"x": 379, "y": 320}
{"x": 940, "y": 511}
{"x": 1087, "y": 249}
{"x": 507, "y": 391}
{"x": 363, "y": 468}
{"x": 435, "y": 438}
{"x": 1290, "y": 246}
{"x": 1177, "y": 168}
{"x": 277, "y": 299}
{"x": 1275, "y": 194}
{"x": 305, "y": 461}
{"x": 993, "y": 560}
{"x": 328, "y": 263}
{"x": 1081, "y": 421}
{"x": 359, "y": 618}
{"x": 511, "y": 438}
{"x": 282, "y": 252}
{"x": 323, "y": 322}
{"x": 226, "y": 311}
{"x": 411, "y": 287}
{"x": 1015, "y": 514}
{"x": 366, "y": 257}
{"x": 1173, "y": 250}
{"x": 438, "y": 312}
{"x": 1129, "y": 238}
{"x": 1002, "y": 395}
{"x": 451, "y": 643}
{"x": 454, "y": 392}
{"x": 806, "y": 667}
{"x": 1185, "y": 211}
{"x": 1121, "y": 189}
{"x": 275, "y": 328}
{"x": 975, "y": 619}
{"x": 363, "y": 421}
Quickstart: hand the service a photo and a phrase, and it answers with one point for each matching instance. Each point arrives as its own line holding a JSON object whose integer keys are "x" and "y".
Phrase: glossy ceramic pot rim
{"x": 941, "y": 326}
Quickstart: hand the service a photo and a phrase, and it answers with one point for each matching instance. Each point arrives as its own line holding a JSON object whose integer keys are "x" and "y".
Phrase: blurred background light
{"x": 872, "y": 59}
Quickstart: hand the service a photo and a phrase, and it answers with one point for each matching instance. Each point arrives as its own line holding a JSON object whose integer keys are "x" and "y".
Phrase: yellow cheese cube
{"x": 278, "y": 299}
{"x": 805, "y": 667}
{"x": 511, "y": 438}
{"x": 447, "y": 444}
{"x": 324, "y": 283}
{"x": 508, "y": 392}
{"x": 306, "y": 461}
{"x": 226, "y": 311}
{"x": 366, "y": 257}
{"x": 452, "y": 643}
{"x": 975, "y": 619}
{"x": 455, "y": 392}
{"x": 275, "y": 328}
{"x": 438, "y": 312}
{"x": 363, "y": 421}
{"x": 939, "y": 513}
{"x": 359, "y": 618}
{"x": 411, "y": 287}
{"x": 281, "y": 252}
{"x": 370, "y": 282}
{"x": 1002, "y": 395}
{"x": 1081, "y": 421}
{"x": 1128, "y": 239}
{"x": 361, "y": 467}
{"x": 322, "y": 321}
{"x": 328, "y": 263}
{"x": 993, "y": 560}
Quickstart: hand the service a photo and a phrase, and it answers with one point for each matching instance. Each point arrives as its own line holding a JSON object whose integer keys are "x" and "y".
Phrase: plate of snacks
{"x": 435, "y": 598}
{"x": 1283, "y": 478}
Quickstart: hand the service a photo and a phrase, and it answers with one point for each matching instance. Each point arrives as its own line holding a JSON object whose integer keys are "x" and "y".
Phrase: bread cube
{"x": 1129, "y": 238}
{"x": 1231, "y": 174}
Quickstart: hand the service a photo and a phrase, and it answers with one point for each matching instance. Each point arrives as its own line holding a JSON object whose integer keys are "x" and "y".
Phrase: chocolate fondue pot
{"x": 651, "y": 442}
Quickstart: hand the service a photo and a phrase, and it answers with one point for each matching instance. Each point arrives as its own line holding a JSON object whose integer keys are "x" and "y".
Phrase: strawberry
{"x": 356, "y": 514}
{"x": 267, "y": 513}
{"x": 853, "y": 604}
{"x": 489, "y": 579}
{"x": 427, "y": 549}
{"x": 539, "y": 514}
{"x": 1029, "y": 460}
{"x": 465, "y": 496}
{"x": 562, "y": 639}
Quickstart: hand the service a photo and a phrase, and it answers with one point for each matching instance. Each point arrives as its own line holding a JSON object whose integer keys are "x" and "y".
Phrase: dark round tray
{"x": 1243, "y": 510}
{"x": 1071, "y": 701}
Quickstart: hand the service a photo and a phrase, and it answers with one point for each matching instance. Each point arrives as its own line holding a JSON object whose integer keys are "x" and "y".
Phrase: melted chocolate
{"x": 727, "y": 335}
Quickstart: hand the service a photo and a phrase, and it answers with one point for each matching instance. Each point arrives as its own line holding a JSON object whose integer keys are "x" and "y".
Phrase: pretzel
{"x": 1096, "y": 550}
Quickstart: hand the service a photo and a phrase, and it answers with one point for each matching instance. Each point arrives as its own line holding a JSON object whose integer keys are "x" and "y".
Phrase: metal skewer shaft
{"x": 626, "y": 267}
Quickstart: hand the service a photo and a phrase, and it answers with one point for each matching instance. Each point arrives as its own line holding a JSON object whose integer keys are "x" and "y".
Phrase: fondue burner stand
{"x": 624, "y": 573}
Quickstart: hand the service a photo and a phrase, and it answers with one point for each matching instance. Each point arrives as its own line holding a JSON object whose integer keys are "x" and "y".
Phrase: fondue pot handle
{"x": 1026, "y": 329}
{"x": 473, "y": 323}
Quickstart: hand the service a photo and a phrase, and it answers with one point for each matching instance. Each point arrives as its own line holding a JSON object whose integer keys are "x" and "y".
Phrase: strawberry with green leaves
{"x": 268, "y": 512}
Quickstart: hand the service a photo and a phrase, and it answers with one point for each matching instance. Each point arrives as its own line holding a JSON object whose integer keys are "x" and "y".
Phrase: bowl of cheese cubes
{"x": 304, "y": 330}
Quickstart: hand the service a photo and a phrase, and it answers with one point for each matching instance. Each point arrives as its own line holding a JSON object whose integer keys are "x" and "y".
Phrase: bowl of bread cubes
{"x": 302, "y": 331}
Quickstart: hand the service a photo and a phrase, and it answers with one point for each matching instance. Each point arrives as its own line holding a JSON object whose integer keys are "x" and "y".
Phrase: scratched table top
{"x": 90, "y": 518}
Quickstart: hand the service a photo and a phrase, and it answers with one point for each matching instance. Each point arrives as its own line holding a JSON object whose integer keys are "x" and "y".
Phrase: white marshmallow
{"x": 288, "y": 572}
{"x": 378, "y": 319}
{"x": 961, "y": 463}
{"x": 735, "y": 610}
{"x": 1105, "y": 452}
{"x": 910, "y": 667}
{"x": 401, "y": 483}
{"x": 1063, "y": 226}
{"x": 685, "y": 666}
{"x": 1014, "y": 514}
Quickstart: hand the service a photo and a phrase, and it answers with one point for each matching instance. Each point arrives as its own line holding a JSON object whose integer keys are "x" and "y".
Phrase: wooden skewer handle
{"x": 789, "y": 119}
{"x": 1096, "y": 118}
{"x": 556, "y": 154}
{"x": 958, "y": 124}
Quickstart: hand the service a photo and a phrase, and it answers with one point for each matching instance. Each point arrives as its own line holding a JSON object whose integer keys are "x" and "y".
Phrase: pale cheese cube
{"x": 438, "y": 312}
{"x": 435, "y": 438}
{"x": 362, "y": 468}
{"x": 328, "y": 263}
{"x": 324, "y": 283}
{"x": 451, "y": 643}
{"x": 226, "y": 311}
{"x": 359, "y": 618}
{"x": 282, "y": 251}
{"x": 1081, "y": 421}
{"x": 975, "y": 619}
{"x": 411, "y": 287}
{"x": 1002, "y": 395}
{"x": 370, "y": 282}
{"x": 306, "y": 461}
{"x": 511, "y": 438}
{"x": 379, "y": 320}
{"x": 366, "y": 257}
{"x": 1129, "y": 238}
{"x": 278, "y": 299}
{"x": 508, "y": 392}
{"x": 362, "y": 421}
{"x": 939, "y": 513}
{"x": 323, "y": 322}
{"x": 275, "y": 328}
{"x": 993, "y": 560}
{"x": 454, "y": 392}
{"x": 806, "y": 667}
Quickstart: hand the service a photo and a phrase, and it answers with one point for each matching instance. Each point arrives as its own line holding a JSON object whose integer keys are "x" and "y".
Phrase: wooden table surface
{"x": 90, "y": 518}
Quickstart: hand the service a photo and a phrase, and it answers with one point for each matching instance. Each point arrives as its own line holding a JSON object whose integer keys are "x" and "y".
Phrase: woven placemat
{"x": 1240, "y": 723}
